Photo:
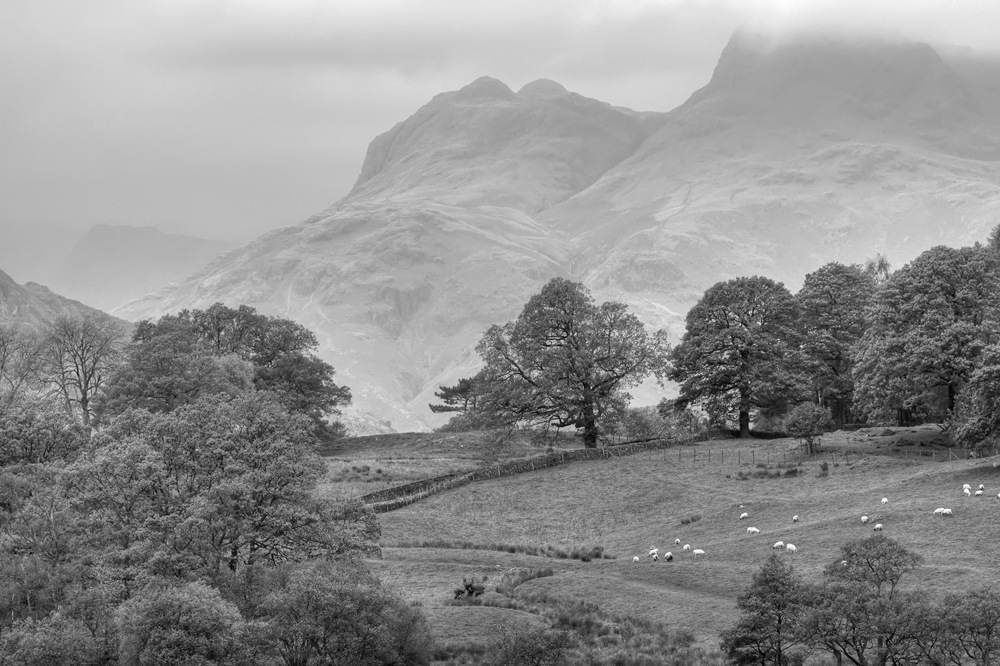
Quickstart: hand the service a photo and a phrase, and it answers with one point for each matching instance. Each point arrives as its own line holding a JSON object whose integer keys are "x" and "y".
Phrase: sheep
{"x": 652, "y": 552}
{"x": 878, "y": 527}
{"x": 790, "y": 547}
{"x": 687, "y": 546}
{"x": 668, "y": 557}
{"x": 965, "y": 485}
{"x": 864, "y": 520}
{"x": 843, "y": 563}
{"x": 982, "y": 487}
{"x": 885, "y": 500}
{"x": 656, "y": 558}
{"x": 795, "y": 519}
{"x": 946, "y": 512}
{"x": 697, "y": 551}
{"x": 753, "y": 530}
{"x": 940, "y": 510}
{"x": 778, "y": 544}
{"x": 978, "y": 493}
{"x": 967, "y": 491}
{"x": 635, "y": 559}
{"x": 744, "y": 515}
{"x": 677, "y": 542}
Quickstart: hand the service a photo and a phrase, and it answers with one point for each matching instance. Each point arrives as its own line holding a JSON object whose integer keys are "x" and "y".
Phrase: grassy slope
{"x": 629, "y": 504}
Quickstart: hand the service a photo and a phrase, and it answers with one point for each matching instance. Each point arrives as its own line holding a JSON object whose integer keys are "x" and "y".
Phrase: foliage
{"x": 175, "y": 625}
{"x": 566, "y": 361}
{"x": 458, "y": 398}
{"x": 930, "y": 323}
{"x": 832, "y": 305}
{"x": 21, "y": 363}
{"x": 740, "y": 351}
{"x": 769, "y": 625}
{"x": 513, "y": 644}
{"x": 180, "y": 357}
{"x": 52, "y": 641}
{"x": 808, "y": 421}
{"x": 37, "y": 431}
{"x": 321, "y": 613}
{"x": 976, "y": 419}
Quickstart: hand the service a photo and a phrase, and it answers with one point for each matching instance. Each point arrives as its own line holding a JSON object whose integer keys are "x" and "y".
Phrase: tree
{"x": 37, "y": 432}
{"x": 340, "y": 614}
{"x": 930, "y": 323}
{"x": 808, "y": 421}
{"x": 832, "y": 306}
{"x": 80, "y": 353}
{"x": 859, "y": 613}
{"x": 176, "y": 625}
{"x": 21, "y": 360}
{"x": 566, "y": 361}
{"x": 740, "y": 351}
{"x": 972, "y": 627}
{"x": 878, "y": 269}
{"x": 771, "y": 614}
{"x": 280, "y": 352}
{"x": 458, "y": 398}
{"x": 164, "y": 372}
{"x": 976, "y": 419}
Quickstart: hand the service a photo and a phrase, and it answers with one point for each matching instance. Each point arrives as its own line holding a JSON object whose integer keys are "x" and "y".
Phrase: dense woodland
{"x": 157, "y": 500}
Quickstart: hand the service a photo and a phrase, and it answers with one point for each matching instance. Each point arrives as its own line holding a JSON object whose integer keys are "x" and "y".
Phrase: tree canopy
{"x": 929, "y": 325}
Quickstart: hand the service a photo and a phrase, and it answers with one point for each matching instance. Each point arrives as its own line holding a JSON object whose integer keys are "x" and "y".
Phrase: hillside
{"x": 32, "y": 305}
{"x": 794, "y": 154}
{"x": 641, "y": 501}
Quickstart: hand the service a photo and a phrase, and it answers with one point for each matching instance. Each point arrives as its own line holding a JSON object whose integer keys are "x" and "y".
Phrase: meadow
{"x": 629, "y": 504}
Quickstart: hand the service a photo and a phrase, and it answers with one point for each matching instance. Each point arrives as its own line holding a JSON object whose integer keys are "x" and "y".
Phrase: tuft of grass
{"x": 693, "y": 518}
{"x": 511, "y": 579}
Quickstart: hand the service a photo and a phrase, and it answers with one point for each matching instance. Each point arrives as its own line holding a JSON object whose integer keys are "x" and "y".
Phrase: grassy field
{"x": 630, "y": 504}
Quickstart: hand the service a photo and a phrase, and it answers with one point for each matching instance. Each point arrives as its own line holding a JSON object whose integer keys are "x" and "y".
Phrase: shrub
{"x": 808, "y": 422}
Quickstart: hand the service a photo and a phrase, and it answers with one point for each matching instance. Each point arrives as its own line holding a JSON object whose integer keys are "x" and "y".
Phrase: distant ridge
{"x": 33, "y": 306}
{"x": 114, "y": 264}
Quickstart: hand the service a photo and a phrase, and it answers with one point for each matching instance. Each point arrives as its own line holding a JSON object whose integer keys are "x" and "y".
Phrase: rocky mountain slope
{"x": 92, "y": 270}
{"x": 32, "y": 305}
{"x": 794, "y": 154}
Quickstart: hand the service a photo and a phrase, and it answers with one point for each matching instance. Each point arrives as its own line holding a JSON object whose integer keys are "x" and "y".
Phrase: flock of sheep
{"x": 654, "y": 552}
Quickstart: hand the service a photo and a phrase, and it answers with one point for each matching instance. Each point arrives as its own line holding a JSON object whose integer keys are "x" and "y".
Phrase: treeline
{"x": 860, "y": 614}
{"x": 162, "y": 508}
{"x": 858, "y": 344}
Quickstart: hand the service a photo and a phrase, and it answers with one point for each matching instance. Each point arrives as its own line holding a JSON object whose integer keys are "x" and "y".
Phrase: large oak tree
{"x": 566, "y": 361}
{"x": 740, "y": 352}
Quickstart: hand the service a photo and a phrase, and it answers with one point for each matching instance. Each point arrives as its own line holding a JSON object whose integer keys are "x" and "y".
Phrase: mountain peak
{"x": 542, "y": 88}
{"x": 485, "y": 87}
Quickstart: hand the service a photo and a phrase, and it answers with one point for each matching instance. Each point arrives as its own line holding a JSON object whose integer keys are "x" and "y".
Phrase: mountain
{"x": 796, "y": 153}
{"x": 113, "y": 264}
{"x": 33, "y": 306}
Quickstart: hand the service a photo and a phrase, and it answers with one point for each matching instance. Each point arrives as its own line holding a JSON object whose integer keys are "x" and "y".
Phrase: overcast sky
{"x": 225, "y": 119}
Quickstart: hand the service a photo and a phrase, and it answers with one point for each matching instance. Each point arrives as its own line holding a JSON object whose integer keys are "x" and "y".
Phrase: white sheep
{"x": 878, "y": 527}
{"x": 668, "y": 557}
{"x": 946, "y": 512}
{"x": 697, "y": 551}
{"x": 864, "y": 520}
{"x": 635, "y": 559}
{"x": 687, "y": 546}
{"x": 652, "y": 552}
{"x": 753, "y": 530}
{"x": 967, "y": 491}
{"x": 778, "y": 544}
{"x": 982, "y": 487}
{"x": 843, "y": 563}
{"x": 656, "y": 558}
{"x": 790, "y": 547}
{"x": 885, "y": 500}
{"x": 795, "y": 519}
{"x": 940, "y": 510}
{"x": 978, "y": 493}
{"x": 677, "y": 542}
{"x": 744, "y": 515}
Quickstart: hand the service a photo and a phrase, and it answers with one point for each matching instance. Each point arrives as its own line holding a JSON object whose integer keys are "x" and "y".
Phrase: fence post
{"x": 710, "y": 455}
{"x": 753, "y": 456}
{"x": 723, "y": 456}
{"x": 739, "y": 457}
{"x": 694, "y": 458}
